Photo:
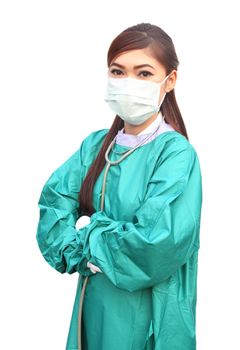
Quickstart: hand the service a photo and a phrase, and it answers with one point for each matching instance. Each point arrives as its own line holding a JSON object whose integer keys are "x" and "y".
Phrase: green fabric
{"x": 145, "y": 241}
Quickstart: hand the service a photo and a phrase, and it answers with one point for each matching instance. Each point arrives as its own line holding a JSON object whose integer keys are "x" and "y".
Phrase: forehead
{"x": 137, "y": 57}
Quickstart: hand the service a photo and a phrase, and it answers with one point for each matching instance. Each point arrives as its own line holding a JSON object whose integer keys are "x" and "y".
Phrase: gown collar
{"x": 131, "y": 140}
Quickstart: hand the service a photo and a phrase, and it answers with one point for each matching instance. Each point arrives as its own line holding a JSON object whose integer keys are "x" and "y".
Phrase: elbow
{"x": 56, "y": 265}
{"x": 53, "y": 262}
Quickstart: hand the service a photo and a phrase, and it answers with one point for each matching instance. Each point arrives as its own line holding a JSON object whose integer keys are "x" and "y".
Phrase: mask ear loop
{"x": 159, "y": 106}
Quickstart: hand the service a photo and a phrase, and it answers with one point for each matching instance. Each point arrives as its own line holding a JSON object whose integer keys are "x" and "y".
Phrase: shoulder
{"x": 176, "y": 164}
{"x": 95, "y": 137}
{"x": 176, "y": 156}
{"x": 91, "y": 145}
{"x": 173, "y": 143}
{"x": 87, "y": 146}
{"x": 70, "y": 169}
{"x": 93, "y": 142}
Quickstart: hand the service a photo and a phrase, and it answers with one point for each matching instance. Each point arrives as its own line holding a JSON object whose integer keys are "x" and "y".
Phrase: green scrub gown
{"x": 145, "y": 242}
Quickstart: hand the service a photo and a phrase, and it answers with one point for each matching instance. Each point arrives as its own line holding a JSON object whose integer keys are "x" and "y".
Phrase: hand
{"x": 93, "y": 268}
{"x": 82, "y": 221}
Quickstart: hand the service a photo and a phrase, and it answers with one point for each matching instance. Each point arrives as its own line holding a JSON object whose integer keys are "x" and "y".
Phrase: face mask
{"x": 134, "y": 100}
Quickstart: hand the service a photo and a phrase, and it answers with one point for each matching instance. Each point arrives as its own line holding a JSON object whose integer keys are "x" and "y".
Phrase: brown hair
{"x": 140, "y": 36}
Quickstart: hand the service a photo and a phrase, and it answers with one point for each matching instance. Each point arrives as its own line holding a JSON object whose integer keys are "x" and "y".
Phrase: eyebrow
{"x": 135, "y": 67}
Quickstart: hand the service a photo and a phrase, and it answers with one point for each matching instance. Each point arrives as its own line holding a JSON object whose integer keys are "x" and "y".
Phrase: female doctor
{"x": 139, "y": 183}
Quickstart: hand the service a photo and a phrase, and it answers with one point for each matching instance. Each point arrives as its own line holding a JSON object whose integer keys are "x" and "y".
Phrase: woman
{"x": 140, "y": 184}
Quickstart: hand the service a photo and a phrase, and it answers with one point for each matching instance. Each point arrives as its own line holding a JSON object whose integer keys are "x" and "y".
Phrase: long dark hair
{"x": 140, "y": 36}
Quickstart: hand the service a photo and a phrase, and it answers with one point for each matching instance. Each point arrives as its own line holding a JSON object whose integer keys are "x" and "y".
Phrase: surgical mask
{"x": 132, "y": 99}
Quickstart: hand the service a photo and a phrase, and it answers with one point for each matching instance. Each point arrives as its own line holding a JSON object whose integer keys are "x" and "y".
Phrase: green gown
{"x": 145, "y": 242}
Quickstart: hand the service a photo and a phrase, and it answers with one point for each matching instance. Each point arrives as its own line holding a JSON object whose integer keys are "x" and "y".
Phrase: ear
{"x": 171, "y": 81}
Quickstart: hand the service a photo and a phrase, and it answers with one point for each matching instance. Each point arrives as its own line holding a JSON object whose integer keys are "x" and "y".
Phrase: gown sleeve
{"x": 59, "y": 241}
{"x": 164, "y": 232}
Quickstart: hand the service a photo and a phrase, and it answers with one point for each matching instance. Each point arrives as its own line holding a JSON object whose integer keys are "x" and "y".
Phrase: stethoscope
{"x": 109, "y": 163}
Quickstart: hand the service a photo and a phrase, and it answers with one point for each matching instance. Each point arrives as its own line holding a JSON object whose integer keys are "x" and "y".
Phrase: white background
{"x": 52, "y": 79}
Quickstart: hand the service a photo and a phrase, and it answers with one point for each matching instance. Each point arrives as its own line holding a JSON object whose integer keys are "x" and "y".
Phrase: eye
{"x": 117, "y": 71}
{"x": 146, "y": 73}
